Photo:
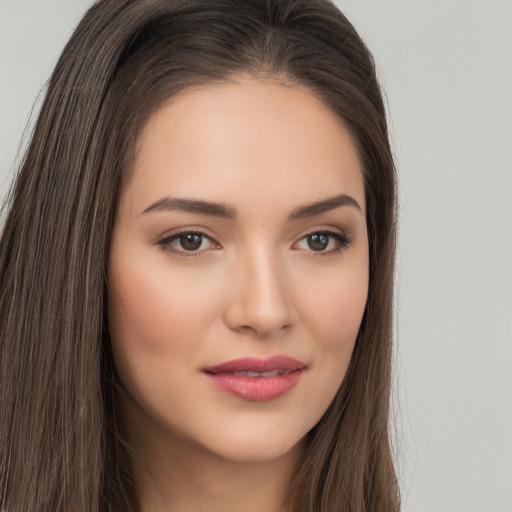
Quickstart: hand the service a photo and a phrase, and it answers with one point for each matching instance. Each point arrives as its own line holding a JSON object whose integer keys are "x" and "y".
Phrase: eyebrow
{"x": 201, "y": 207}
{"x": 192, "y": 206}
{"x": 324, "y": 206}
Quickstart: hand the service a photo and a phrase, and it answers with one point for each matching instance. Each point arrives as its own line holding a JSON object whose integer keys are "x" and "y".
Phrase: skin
{"x": 254, "y": 288}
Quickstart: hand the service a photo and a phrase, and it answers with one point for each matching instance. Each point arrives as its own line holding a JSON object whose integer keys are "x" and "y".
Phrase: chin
{"x": 256, "y": 452}
{"x": 240, "y": 447}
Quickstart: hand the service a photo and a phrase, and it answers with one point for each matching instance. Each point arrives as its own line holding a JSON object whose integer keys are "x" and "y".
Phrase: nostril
{"x": 264, "y": 330}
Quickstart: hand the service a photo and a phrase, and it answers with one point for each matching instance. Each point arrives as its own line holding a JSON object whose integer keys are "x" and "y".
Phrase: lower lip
{"x": 257, "y": 389}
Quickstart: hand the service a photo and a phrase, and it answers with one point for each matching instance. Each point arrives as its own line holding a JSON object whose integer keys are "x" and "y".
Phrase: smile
{"x": 256, "y": 379}
{"x": 273, "y": 373}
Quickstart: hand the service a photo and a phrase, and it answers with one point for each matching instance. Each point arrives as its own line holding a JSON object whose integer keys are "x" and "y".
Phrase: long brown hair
{"x": 59, "y": 447}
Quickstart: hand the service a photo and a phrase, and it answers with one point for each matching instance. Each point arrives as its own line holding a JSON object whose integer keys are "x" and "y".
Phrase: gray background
{"x": 446, "y": 66}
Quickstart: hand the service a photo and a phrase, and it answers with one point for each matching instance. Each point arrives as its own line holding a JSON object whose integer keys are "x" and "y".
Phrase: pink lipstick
{"x": 254, "y": 379}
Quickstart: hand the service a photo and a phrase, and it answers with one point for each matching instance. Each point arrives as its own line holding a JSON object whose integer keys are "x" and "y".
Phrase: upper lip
{"x": 253, "y": 364}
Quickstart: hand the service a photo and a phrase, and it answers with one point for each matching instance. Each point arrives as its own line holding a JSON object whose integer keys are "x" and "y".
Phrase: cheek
{"x": 141, "y": 309}
{"x": 333, "y": 317}
{"x": 342, "y": 314}
{"x": 154, "y": 312}
{"x": 335, "y": 311}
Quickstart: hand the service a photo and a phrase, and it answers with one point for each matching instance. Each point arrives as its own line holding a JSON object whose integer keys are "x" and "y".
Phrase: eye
{"x": 323, "y": 242}
{"x": 187, "y": 242}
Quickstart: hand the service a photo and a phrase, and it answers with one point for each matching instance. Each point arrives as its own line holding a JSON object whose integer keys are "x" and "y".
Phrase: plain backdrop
{"x": 446, "y": 66}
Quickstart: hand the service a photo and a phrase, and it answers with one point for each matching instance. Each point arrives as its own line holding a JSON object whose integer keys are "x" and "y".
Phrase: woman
{"x": 197, "y": 266}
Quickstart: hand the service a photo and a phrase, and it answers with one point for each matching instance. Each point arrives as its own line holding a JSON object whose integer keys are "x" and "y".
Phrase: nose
{"x": 259, "y": 302}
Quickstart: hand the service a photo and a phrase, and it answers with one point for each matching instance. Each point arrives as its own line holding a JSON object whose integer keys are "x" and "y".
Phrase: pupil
{"x": 191, "y": 242}
{"x": 318, "y": 241}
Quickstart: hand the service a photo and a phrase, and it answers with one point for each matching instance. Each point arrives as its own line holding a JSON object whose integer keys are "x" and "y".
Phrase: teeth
{"x": 273, "y": 373}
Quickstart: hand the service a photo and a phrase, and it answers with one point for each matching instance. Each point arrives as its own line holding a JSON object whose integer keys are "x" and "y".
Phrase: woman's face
{"x": 240, "y": 236}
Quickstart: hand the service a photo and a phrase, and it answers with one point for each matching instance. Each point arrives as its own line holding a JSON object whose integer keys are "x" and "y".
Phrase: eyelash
{"x": 343, "y": 241}
{"x": 166, "y": 243}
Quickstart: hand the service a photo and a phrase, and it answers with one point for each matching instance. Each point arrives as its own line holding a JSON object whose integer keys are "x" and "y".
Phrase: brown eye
{"x": 187, "y": 242}
{"x": 318, "y": 241}
{"x": 191, "y": 241}
{"x": 325, "y": 242}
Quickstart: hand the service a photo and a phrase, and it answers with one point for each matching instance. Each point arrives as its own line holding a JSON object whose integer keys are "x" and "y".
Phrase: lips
{"x": 251, "y": 364}
{"x": 256, "y": 379}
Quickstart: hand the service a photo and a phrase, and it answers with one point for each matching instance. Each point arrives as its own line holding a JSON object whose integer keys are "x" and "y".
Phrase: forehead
{"x": 238, "y": 140}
